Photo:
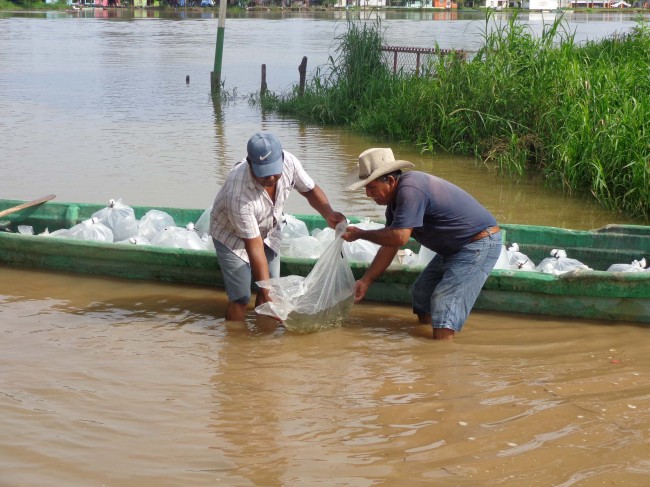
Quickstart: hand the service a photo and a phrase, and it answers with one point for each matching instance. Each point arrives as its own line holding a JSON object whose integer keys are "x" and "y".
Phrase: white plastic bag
{"x": 559, "y": 263}
{"x": 120, "y": 218}
{"x": 91, "y": 229}
{"x": 518, "y": 260}
{"x": 154, "y": 221}
{"x": 292, "y": 229}
{"x": 134, "y": 241}
{"x": 306, "y": 248}
{"x": 180, "y": 238}
{"x": 363, "y": 250}
{"x": 319, "y": 301}
{"x": 202, "y": 225}
{"x": 324, "y": 235}
{"x": 635, "y": 266}
{"x": 360, "y": 250}
{"x": 405, "y": 257}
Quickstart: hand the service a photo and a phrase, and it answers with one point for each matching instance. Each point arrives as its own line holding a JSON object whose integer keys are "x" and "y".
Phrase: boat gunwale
{"x": 580, "y": 283}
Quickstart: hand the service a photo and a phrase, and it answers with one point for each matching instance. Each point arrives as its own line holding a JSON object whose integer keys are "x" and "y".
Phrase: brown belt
{"x": 485, "y": 233}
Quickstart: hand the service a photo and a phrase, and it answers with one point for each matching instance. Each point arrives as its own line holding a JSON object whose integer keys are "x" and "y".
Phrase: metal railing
{"x": 412, "y": 59}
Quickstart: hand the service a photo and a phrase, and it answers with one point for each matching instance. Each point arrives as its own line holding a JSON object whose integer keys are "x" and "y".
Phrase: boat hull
{"x": 583, "y": 294}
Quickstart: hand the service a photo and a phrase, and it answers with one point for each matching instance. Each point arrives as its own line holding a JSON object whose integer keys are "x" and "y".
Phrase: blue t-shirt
{"x": 443, "y": 217}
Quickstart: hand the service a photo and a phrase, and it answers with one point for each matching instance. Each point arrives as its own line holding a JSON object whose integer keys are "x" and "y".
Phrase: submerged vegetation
{"x": 578, "y": 114}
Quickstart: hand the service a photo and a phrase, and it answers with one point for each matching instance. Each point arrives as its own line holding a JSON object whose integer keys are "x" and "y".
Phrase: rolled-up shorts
{"x": 237, "y": 275}
{"x": 449, "y": 286}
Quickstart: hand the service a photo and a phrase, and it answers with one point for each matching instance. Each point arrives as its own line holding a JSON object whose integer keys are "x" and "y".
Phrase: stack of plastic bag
{"x": 296, "y": 241}
{"x": 635, "y": 266}
{"x": 91, "y": 229}
{"x": 180, "y": 238}
{"x": 120, "y": 218}
{"x": 559, "y": 263}
{"x": 320, "y": 301}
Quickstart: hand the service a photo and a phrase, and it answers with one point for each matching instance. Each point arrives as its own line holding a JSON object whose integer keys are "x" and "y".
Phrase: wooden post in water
{"x": 215, "y": 76}
{"x": 263, "y": 87}
{"x": 302, "y": 69}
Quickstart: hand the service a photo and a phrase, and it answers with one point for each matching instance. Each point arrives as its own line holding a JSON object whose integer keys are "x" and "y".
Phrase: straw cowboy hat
{"x": 374, "y": 163}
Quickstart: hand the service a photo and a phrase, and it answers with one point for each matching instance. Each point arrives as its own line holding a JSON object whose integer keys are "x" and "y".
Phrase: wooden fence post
{"x": 302, "y": 69}
{"x": 263, "y": 87}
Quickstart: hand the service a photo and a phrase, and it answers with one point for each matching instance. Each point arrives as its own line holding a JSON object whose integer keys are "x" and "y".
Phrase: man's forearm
{"x": 380, "y": 263}
{"x": 318, "y": 201}
{"x": 385, "y": 236}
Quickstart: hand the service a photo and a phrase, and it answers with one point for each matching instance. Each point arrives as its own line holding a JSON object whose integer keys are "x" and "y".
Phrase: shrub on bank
{"x": 579, "y": 114}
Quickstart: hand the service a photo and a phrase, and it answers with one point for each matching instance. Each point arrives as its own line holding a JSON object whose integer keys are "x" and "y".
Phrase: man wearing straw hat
{"x": 440, "y": 216}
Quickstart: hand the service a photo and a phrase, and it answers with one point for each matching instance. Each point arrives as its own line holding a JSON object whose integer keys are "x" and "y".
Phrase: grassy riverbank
{"x": 579, "y": 114}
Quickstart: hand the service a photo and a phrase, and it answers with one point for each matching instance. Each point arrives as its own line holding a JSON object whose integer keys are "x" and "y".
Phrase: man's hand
{"x": 262, "y": 297}
{"x": 351, "y": 234}
{"x": 334, "y": 218}
{"x": 360, "y": 290}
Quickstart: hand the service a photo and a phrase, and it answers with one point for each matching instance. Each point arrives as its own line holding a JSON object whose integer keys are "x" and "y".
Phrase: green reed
{"x": 354, "y": 77}
{"x": 578, "y": 114}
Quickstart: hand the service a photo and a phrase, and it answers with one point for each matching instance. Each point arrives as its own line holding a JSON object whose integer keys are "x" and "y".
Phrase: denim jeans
{"x": 237, "y": 274}
{"x": 449, "y": 286}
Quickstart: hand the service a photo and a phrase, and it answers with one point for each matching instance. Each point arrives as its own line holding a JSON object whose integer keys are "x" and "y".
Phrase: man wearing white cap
{"x": 440, "y": 216}
{"x": 246, "y": 216}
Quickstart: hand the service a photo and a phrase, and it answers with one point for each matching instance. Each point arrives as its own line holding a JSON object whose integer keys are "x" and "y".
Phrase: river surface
{"x": 121, "y": 383}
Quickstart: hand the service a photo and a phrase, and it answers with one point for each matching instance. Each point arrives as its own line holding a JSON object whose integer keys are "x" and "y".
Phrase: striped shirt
{"x": 243, "y": 208}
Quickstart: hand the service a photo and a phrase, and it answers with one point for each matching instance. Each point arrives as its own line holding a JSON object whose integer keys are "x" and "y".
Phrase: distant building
{"x": 442, "y": 4}
{"x": 497, "y": 4}
{"x": 590, "y": 3}
{"x": 361, "y": 3}
{"x": 541, "y": 4}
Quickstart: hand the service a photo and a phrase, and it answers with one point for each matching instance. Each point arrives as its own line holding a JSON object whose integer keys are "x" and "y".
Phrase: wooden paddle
{"x": 35, "y": 202}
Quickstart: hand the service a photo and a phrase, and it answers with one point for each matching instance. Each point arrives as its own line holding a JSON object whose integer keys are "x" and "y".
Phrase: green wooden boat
{"x": 594, "y": 294}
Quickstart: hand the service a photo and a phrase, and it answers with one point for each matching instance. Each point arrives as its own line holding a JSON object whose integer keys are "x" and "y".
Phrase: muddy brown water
{"x": 123, "y": 383}
{"x": 117, "y": 383}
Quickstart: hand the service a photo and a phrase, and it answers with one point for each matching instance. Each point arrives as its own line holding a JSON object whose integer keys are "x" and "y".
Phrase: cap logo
{"x": 267, "y": 155}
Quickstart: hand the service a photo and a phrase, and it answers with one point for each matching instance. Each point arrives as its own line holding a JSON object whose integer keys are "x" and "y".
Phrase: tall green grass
{"x": 354, "y": 76}
{"x": 579, "y": 114}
